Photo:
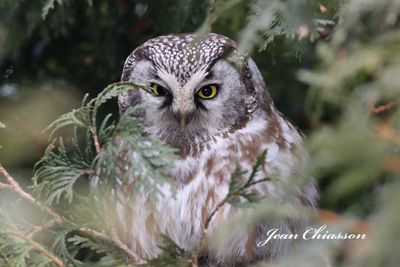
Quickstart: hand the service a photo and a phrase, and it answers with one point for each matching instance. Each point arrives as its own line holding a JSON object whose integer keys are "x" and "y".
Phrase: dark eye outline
{"x": 214, "y": 91}
{"x": 159, "y": 90}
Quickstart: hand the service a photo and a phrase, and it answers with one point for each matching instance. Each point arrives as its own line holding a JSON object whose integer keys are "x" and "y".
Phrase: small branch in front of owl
{"x": 236, "y": 191}
{"x": 95, "y": 140}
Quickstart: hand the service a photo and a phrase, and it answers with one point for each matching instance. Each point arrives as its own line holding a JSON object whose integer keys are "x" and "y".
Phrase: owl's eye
{"x": 208, "y": 91}
{"x": 158, "y": 90}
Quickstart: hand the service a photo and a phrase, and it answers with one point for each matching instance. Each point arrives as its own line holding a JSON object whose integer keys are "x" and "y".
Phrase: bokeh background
{"x": 48, "y": 64}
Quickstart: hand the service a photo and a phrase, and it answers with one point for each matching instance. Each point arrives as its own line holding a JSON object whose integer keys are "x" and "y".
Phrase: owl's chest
{"x": 215, "y": 160}
{"x": 213, "y": 163}
{"x": 204, "y": 179}
{"x": 204, "y": 183}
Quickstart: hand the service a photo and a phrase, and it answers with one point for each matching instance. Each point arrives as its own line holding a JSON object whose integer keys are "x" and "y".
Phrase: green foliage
{"x": 277, "y": 18}
{"x": 149, "y": 163}
{"x": 354, "y": 75}
{"x": 86, "y": 115}
{"x": 59, "y": 169}
{"x": 239, "y": 189}
{"x": 56, "y": 161}
{"x": 108, "y": 255}
{"x": 98, "y": 155}
{"x": 16, "y": 248}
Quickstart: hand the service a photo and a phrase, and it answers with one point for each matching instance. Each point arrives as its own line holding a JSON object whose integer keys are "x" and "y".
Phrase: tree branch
{"x": 39, "y": 247}
{"x": 56, "y": 218}
{"x": 235, "y": 190}
{"x": 95, "y": 140}
{"x": 13, "y": 185}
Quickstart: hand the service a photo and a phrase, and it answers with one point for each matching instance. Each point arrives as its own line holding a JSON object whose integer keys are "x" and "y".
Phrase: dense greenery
{"x": 331, "y": 66}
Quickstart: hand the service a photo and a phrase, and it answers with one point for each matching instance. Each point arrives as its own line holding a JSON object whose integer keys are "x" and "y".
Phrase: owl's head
{"x": 199, "y": 87}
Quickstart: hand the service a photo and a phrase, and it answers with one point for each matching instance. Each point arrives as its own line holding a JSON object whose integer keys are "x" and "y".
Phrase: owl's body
{"x": 211, "y": 103}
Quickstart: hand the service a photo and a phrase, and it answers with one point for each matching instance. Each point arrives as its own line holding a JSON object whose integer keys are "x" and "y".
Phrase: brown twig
{"x": 14, "y": 186}
{"x": 39, "y": 247}
{"x": 56, "y": 218}
{"x": 195, "y": 255}
{"x": 239, "y": 191}
{"x": 95, "y": 140}
{"x": 382, "y": 108}
{"x": 207, "y": 222}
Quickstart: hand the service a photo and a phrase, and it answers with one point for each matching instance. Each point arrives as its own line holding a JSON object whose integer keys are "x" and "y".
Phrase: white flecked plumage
{"x": 239, "y": 123}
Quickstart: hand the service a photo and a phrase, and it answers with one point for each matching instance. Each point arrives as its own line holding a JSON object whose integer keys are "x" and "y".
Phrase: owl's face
{"x": 196, "y": 87}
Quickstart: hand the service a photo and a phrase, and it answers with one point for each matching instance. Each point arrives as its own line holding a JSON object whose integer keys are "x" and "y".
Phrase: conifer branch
{"x": 131, "y": 255}
{"x": 236, "y": 190}
{"x": 38, "y": 247}
{"x": 56, "y": 218}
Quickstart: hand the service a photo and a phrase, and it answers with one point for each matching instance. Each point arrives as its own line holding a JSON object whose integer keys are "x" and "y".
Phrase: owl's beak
{"x": 182, "y": 122}
{"x": 183, "y": 110}
{"x": 183, "y": 119}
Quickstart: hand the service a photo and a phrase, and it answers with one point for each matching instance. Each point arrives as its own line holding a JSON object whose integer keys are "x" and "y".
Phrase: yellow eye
{"x": 208, "y": 91}
{"x": 158, "y": 90}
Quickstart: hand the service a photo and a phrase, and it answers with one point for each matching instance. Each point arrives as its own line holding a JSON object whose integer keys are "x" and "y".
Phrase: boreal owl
{"x": 209, "y": 101}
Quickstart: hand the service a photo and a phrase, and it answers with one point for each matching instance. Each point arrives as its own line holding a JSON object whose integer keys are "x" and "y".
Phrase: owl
{"x": 209, "y": 101}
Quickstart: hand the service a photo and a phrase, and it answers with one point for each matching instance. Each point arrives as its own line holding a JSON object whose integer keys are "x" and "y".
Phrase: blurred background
{"x": 332, "y": 67}
{"x": 49, "y": 62}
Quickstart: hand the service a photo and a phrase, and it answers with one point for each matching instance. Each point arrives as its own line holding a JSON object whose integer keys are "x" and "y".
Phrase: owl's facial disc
{"x": 177, "y": 98}
{"x": 188, "y": 106}
{"x": 211, "y": 98}
{"x": 200, "y": 87}
{"x": 207, "y": 101}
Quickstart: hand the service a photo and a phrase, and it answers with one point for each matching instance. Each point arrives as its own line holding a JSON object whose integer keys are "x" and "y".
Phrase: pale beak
{"x": 183, "y": 109}
{"x": 182, "y": 122}
{"x": 183, "y": 119}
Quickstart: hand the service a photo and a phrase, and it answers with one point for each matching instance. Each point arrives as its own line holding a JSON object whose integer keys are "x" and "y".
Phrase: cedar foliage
{"x": 332, "y": 66}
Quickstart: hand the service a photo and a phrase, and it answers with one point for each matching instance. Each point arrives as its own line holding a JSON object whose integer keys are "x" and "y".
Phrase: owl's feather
{"x": 237, "y": 126}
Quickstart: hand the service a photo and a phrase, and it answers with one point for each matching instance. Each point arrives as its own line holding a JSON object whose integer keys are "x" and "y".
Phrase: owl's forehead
{"x": 185, "y": 54}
